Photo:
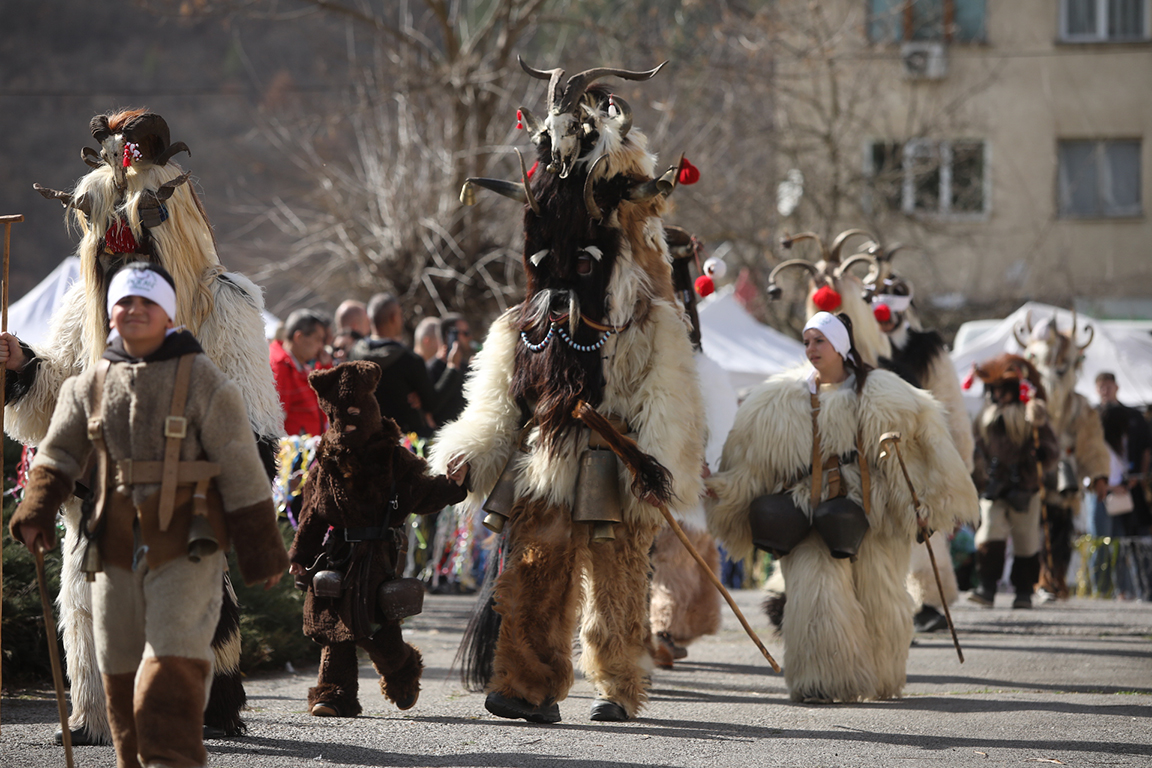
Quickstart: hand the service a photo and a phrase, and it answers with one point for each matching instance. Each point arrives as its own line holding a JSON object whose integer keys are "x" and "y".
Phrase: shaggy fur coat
{"x": 849, "y": 624}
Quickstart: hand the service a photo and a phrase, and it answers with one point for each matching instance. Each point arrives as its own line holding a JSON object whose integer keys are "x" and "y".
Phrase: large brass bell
{"x": 201, "y": 539}
{"x": 598, "y": 493}
{"x": 92, "y": 563}
{"x": 499, "y": 503}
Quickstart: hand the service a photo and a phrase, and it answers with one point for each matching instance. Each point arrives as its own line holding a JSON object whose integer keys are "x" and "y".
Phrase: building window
{"x": 933, "y": 177}
{"x": 948, "y": 21}
{"x": 1096, "y": 21}
{"x": 1099, "y": 179}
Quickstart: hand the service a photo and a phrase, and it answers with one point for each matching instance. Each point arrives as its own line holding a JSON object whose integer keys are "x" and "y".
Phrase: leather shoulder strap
{"x": 865, "y": 476}
{"x": 96, "y": 435}
{"x": 175, "y": 430}
{"x": 817, "y": 465}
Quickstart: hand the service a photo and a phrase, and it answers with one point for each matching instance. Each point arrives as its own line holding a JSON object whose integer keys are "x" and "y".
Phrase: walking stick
{"x": 53, "y": 653}
{"x": 893, "y": 439}
{"x": 595, "y": 421}
{"x": 8, "y": 221}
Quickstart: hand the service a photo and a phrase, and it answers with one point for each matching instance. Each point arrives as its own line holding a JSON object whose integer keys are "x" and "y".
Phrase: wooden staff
{"x": 612, "y": 436}
{"x": 8, "y": 221}
{"x": 893, "y": 439}
{"x": 53, "y": 653}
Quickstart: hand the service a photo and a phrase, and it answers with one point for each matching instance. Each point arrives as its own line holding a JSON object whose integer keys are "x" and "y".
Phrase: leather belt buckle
{"x": 124, "y": 472}
{"x": 176, "y": 426}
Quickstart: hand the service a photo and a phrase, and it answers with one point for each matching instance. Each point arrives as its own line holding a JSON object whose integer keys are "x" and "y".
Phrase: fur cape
{"x": 650, "y": 381}
{"x": 849, "y": 624}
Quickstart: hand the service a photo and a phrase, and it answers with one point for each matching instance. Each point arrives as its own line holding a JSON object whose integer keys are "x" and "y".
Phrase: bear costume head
{"x": 347, "y": 397}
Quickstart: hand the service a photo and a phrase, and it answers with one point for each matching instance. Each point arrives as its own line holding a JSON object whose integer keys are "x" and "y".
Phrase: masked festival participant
{"x": 178, "y": 477}
{"x": 1014, "y": 443}
{"x": 1084, "y": 460}
{"x": 599, "y": 324}
{"x": 135, "y": 205}
{"x": 921, "y": 358}
{"x": 801, "y": 477}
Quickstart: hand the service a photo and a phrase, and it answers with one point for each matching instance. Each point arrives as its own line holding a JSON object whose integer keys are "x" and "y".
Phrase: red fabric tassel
{"x": 969, "y": 380}
{"x": 118, "y": 238}
{"x": 689, "y": 174}
{"x": 532, "y": 170}
{"x": 519, "y": 120}
{"x": 1026, "y": 390}
{"x": 883, "y": 313}
{"x": 704, "y": 285}
{"x": 826, "y": 298}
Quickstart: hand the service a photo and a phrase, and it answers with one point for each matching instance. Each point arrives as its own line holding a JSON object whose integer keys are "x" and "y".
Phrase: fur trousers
{"x": 848, "y": 626}
{"x": 552, "y": 567}
{"x": 1060, "y": 532}
{"x": 398, "y": 663}
{"x": 86, "y": 687}
{"x": 921, "y": 580}
{"x": 685, "y": 604}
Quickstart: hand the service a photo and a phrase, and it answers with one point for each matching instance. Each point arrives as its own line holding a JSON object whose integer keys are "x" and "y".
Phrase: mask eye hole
{"x": 353, "y": 410}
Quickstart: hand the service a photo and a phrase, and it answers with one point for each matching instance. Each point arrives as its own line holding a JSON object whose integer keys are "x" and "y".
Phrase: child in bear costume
{"x": 364, "y": 486}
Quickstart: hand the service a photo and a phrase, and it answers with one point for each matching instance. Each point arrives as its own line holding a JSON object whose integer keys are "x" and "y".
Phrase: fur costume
{"x": 1013, "y": 437}
{"x": 849, "y": 624}
{"x": 364, "y": 486}
{"x": 1058, "y": 356}
{"x": 222, "y": 309}
{"x": 599, "y": 324}
{"x": 150, "y": 591}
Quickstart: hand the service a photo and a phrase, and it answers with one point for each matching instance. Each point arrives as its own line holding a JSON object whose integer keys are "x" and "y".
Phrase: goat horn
{"x": 499, "y": 186}
{"x": 1016, "y": 333}
{"x": 535, "y": 125}
{"x": 625, "y": 119}
{"x": 551, "y": 75}
{"x": 843, "y": 237}
{"x": 166, "y": 155}
{"x": 589, "y": 189}
{"x": 1028, "y": 322}
{"x": 48, "y": 193}
{"x": 789, "y": 240}
{"x": 1091, "y": 337}
{"x": 646, "y": 190}
{"x": 91, "y": 157}
{"x": 530, "y": 198}
{"x": 856, "y": 258}
{"x": 578, "y": 83}
{"x": 774, "y": 290}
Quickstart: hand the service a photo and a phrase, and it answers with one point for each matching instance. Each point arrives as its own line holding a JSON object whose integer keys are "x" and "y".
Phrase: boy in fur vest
{"x": 356, "y": 501}
{"x": 177, "y": 480}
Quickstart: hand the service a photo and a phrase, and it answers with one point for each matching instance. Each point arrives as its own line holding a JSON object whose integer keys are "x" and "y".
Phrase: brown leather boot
{"x": 118, "y": 692}
{"x": 169, "y": 708}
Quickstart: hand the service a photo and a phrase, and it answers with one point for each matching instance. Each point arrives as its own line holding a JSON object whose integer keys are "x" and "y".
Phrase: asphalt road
{"x": 1067, "y": 684}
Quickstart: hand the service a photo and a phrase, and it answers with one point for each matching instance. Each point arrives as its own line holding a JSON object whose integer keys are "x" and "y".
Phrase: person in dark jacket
{"x": 456, "y": 345}
{"x": 405, "y": 393}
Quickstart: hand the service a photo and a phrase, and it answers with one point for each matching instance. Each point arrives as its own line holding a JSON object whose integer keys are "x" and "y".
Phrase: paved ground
{"x": 1065, "y": 685}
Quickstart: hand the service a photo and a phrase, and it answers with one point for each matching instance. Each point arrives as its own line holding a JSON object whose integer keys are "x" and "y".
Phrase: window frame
{"x": 907, "y": 21}
{"x": 1101, "y": 34}
{"x": 945, "y": 148}
{"x": 1102, "y": 180}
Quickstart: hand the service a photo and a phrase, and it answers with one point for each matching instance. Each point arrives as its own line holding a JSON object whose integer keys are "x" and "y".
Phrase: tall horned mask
{"x": 1050, "y": 349}
{"x": 827, "y": 272}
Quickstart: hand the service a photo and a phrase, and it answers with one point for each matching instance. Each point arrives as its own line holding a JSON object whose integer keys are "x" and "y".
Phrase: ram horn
{"x": 1028, "y": 322}
{"x": 91, "y": 157}
{"x": 789, "y": 240}
{"x": 501, "y": 187}
{"x": 624, "y": 121}
{"x": 530, "y": 197}
{"x": 843, "y": 237}
{"x": 856, "y": 258}
{"x": 590, "y": 205}
{"x": 553, "y": 77}
{"x": 646, "y": 190}
{"x": 167, "y": 188}
{"x": 166, "y": 155}
{"x": 1091, "y": 336}
{"x": 578, "y": 83}
{"x": 774, "y": 290}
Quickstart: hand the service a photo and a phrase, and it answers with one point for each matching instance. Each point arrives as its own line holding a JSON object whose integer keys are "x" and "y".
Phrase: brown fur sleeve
{"x": 256, "y": 538}
{"x": 420, "y": 493}
{"x": 313, "y": 526}
{"x": 46, "y": 490}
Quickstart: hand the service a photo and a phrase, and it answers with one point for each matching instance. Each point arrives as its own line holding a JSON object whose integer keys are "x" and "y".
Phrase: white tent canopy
{"x": 28, "y": 318}
{"x": 1119, "y": 347}
{"x": 749, "y": 350}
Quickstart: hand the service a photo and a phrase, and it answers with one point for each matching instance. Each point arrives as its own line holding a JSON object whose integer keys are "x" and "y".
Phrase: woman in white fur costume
{"x": 848, "y": 623}
{"x": 135, "y": 205}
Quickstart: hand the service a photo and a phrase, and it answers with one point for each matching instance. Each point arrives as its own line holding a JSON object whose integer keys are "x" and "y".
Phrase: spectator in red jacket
{"x": 305, "y": 337}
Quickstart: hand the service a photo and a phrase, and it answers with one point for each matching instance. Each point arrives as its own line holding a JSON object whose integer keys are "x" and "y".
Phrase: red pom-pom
{"x": 689, "y": 174}
{"x": 127, "y": 157}
{"x": 826, "y": 298}
{"x": 1026, "y": 390}
{"x": 969, "y": 380}
{"x": 519, "y": 120}
{"x": 883, "y": 313}
{"x": 705, "y": 285}
{"x": 532, "y": 170}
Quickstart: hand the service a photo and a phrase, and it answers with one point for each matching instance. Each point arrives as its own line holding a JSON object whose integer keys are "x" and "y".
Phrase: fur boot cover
{"x": 685, "y": 604}
{"x": 848, "y": 625}
{"x": 118, "y": 206}
{"x": 364, "y": 486}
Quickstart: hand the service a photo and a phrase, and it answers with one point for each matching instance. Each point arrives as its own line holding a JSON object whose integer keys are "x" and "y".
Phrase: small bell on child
{"x": 201, "y": 539}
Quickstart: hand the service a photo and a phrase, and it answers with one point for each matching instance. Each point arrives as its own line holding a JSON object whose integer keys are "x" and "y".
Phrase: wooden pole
{"x": 54, "y": 653}
{"x": 893, "y": 438}
{"x": 675, "y": 526}
{"x": 8, "y": 221}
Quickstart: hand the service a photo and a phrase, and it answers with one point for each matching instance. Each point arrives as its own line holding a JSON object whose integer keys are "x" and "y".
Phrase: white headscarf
{"x": 833, "y": 330}
{"x": 892, "y": 301}
{"x": 141, "y": 282}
